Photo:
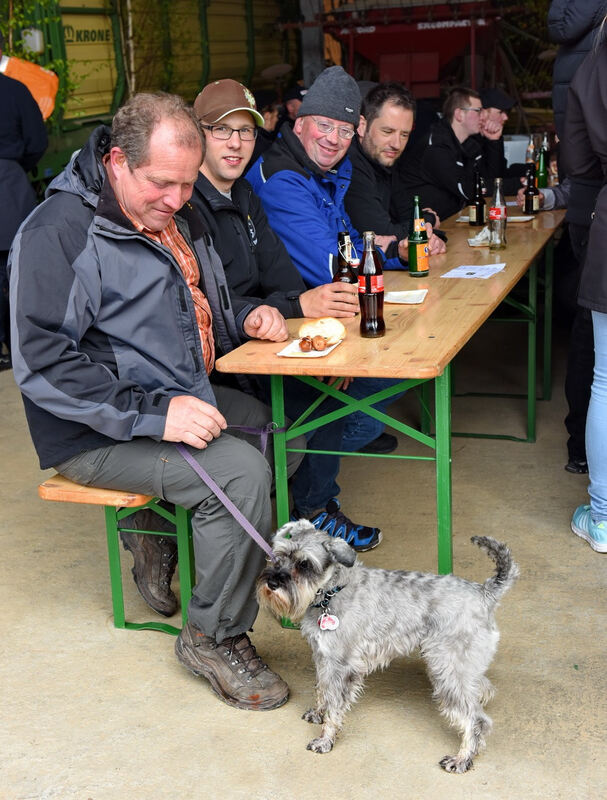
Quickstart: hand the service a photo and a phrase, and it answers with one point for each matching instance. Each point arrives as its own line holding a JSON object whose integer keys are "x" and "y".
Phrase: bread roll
{"x": 328, "y": 327}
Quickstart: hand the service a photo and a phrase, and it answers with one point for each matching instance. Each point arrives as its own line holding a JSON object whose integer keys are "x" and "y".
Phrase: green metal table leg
{"x": 280, "y": 451}
{"x": 426, "y": 417}
{"x": 532, "y": 354}
{"x": 548, "y": 294}
{"x": 442, "y": 393}
{"x": 113, "y": 550}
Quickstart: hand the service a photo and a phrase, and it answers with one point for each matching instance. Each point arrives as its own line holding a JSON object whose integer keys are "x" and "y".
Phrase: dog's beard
{"x": 286, "y": 601}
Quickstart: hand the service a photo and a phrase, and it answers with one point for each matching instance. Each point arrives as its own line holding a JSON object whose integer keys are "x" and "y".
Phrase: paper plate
{"x": 292, "y": 350}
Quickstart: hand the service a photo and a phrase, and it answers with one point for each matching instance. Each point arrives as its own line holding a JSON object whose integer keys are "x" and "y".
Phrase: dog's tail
{"x": 506, "y": 571}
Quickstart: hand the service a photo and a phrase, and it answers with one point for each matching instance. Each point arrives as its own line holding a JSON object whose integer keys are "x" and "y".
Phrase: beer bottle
{"x": 344, "y": 272}
{"x": 417, "y": 251}
{"x": 497, "y": 218}
{"x": 531, "y": 193}
{"x": 476, "y": 210}
{"x": 530, "y": 154}
{"x": 542, "y": 165}
{"x": 371, "y": 291}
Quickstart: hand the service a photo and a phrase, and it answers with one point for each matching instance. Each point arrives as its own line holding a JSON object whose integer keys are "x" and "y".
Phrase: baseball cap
{"x": 220, "y": 98}
{"x": 496, "y": 98}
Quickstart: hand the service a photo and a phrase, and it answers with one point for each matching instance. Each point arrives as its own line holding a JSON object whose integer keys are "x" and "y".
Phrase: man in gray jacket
{"x": 114, "y": 333}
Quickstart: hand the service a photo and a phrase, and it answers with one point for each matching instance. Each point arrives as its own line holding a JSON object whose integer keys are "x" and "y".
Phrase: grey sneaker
{"x": 233, "y": 668}
{"x": 154, "y": 562}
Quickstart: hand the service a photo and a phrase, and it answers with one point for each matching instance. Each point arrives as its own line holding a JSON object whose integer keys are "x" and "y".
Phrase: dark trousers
{"x": 5, "y": 323}
{"x": 580, "y": 359}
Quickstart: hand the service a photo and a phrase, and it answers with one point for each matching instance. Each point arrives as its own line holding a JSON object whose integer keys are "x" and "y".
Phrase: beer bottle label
{"x": 376, "y": 284}
{"x": 497, "y": 212}
{"x": 422, "y": 264}
{"x": 536, "y": 202}
{"x": 472, "y": 213}
{"x": 419, "y": 225}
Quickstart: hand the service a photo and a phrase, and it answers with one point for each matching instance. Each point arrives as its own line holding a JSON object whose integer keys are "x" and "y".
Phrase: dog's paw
{"x": 314, "y": 716}
{"x": 455, "y": 764}
{"x": 320, "y": 745}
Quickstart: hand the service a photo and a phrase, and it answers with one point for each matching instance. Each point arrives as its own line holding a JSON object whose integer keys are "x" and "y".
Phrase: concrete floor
{"x": 94, "y": 713}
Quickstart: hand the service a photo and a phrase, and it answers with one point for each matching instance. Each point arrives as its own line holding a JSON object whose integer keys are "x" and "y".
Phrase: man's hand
{"x": 491, "y": 129}
{"x": 265, "y": 322}
{"x": 435, "y": 245}
{"x": 192, "y": 421}
{"x": 330, "y": 300}
{"x": 383, "y": 241}
{"x": 432, "y": 211}
{"x": 520, "y": 195}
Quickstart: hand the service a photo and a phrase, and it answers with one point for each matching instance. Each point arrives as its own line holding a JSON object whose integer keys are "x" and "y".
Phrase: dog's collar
{"x": 328, "y": 595}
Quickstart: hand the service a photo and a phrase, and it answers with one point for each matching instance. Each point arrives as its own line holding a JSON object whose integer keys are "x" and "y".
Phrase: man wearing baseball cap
{"x": 260, "y": 272}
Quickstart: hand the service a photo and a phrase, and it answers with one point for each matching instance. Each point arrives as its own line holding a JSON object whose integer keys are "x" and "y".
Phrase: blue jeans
{"x": 360, "y": 429}
{"x": 314, "y": 483}
{"x": 596, "y": 423}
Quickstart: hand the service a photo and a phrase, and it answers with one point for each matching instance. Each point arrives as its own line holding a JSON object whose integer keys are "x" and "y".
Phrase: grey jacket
{"x": 104, "y": 327}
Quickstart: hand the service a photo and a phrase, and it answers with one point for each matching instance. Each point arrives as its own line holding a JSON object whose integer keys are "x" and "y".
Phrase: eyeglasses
{"x": 478, "y": 109}
{"x": 326, "y": 128}
{"x": 225, "y": 132}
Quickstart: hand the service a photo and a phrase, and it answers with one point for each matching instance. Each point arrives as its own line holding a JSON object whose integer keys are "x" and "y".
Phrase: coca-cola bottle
{"x": 371, "y": 290}
{"x": 497, "y": 218}
{"x": 344, "y": 272}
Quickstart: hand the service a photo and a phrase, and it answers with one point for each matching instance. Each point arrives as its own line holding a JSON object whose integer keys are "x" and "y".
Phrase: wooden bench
{"x": 117, "y": 506}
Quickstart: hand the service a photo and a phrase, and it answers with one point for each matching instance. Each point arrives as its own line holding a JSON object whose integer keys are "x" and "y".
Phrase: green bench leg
{"x": 185, "y": 555}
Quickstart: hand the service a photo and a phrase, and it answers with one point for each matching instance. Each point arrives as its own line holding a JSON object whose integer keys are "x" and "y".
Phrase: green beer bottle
{"x": 418, "y": 243}
{"x": 542, "y": 165}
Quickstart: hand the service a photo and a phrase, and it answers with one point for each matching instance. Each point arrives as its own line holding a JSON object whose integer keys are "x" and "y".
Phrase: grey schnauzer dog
{"x": 358, "y": 619}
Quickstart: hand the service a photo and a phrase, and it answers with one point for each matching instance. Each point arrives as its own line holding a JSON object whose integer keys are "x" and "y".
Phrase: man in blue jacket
{"x": 302, "y": 181}
{"x": 114, "y": 334}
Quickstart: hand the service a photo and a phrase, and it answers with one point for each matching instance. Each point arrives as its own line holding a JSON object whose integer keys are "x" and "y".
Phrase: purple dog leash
{"x": 221, "y": 495}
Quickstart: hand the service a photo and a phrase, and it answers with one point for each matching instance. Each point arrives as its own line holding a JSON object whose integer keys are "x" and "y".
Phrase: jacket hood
{"x": 84, "y": 174}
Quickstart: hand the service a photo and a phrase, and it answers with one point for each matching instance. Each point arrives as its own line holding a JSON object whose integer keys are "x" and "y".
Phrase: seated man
{"x": 302, "y": 180}
{"x": 113, "y": 340}
{"x": 496, "y": 105}
{"x": 259, "y": 271}
{"x": 440, "y": 167}
{"x": 385, "y": 125}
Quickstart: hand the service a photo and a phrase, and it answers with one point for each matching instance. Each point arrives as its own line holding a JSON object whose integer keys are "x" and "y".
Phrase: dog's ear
{"x": 288, "y": 530}
{"x": 340, "y": 551}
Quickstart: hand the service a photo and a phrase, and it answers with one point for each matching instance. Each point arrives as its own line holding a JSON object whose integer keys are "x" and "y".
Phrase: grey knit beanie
{"x": 334, "y": 94}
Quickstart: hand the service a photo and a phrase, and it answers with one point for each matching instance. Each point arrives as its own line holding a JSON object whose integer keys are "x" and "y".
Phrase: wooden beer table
{"x": 419, "y": 346}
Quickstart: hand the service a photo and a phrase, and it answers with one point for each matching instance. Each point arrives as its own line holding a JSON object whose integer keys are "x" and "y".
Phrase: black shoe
{"x": 5, "y": 361}
{"x": 579, "y": 466}
{"x": 384, "y": 444}
{"x": 154, "y": 562}
{"x": 334, "y": 522}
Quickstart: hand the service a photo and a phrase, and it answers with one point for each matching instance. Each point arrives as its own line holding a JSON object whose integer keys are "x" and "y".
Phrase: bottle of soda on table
{"x": 497, "y": 218}
{"x": 371, "y": 290}
{"x": 417, "y": 250}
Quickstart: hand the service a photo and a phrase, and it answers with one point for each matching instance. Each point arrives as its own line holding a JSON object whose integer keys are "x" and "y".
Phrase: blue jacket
{"x": 305, "y": 206}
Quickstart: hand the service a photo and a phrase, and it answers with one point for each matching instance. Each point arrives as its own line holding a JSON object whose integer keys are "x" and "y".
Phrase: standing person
{"x": 302, "y": 181}
{"x": 23, "y": 141}
{"x": 259, "y": 271}
{"x": 440, "y": 167}
{"x": 573, "y": 26}
{"x": 584, "y": 152}
{"x": 113, "y": 339}
{"x": 373, "y": 198}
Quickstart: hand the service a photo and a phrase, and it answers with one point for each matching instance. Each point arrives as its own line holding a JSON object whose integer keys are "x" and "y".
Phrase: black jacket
{"x": 440, "y": 169}
{"x": 585, "y": 156}
{"x": 572, "y": 25}
{"x": 23, "y": 141}
{"x": 258, "y": 268}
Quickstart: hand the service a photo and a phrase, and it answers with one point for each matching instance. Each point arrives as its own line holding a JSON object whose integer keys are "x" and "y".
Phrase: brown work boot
{"x": 233, "y": 668}
{"x": 155, "y": 559}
